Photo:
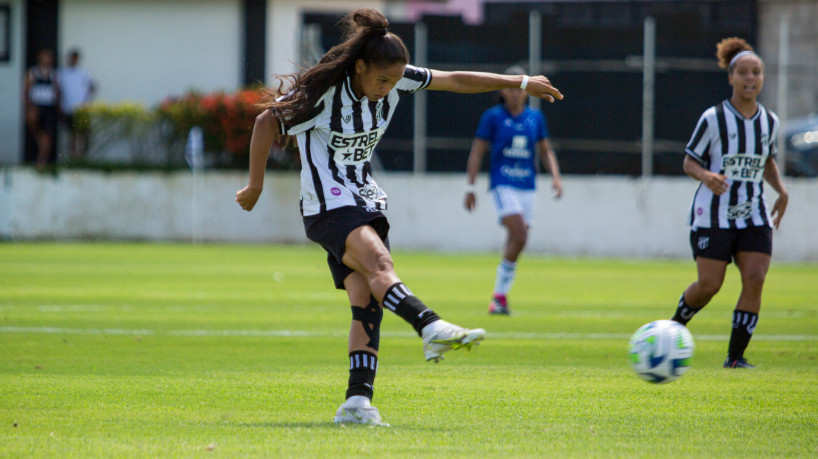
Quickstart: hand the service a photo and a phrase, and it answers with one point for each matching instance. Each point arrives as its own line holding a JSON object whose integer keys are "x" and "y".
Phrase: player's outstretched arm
{"x": 265, "y": 132}
{"x": 474, "y": 82}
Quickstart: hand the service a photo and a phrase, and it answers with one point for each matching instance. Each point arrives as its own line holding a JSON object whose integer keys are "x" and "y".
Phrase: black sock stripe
{"x": 395, "y": 294}
{"x": 363, "y": 359}
{"x": 751, "y": 327}
{"x": 391, "y": 300}
{"x": 745, "y": 319}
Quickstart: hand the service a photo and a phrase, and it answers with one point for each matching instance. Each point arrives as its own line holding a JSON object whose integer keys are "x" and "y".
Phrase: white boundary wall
{"x": 598, "y": 216}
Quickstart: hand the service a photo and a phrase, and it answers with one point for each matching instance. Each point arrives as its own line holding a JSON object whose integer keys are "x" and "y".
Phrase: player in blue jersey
{"x": 337, "y": 111}
{"x": 514, "y": 133}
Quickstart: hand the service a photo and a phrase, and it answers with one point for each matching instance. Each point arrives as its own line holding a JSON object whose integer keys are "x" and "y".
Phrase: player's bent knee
{"x": 383, "y": 264}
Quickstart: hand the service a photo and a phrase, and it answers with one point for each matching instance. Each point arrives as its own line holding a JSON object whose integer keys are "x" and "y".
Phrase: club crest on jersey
{"x": 354, "y": 148}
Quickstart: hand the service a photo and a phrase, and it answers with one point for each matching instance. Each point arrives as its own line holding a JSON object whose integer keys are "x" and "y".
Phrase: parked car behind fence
{"x": 802, "y": 146}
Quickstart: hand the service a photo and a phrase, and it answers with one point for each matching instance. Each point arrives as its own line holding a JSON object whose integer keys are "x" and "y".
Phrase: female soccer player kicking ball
{"x": 337, "y": 111}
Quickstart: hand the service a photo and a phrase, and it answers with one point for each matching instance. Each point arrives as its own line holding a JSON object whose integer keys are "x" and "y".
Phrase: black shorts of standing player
{"x": 330, "y": 229}
{"x": 47, "y": 118}
{"x": 723, "y": 244}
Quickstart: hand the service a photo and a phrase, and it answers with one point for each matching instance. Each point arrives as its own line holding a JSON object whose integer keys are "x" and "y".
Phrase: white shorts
{"x": 512, "y": 201}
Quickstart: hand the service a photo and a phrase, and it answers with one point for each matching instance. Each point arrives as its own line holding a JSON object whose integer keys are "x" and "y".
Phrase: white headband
{"x": 739, "y": 56}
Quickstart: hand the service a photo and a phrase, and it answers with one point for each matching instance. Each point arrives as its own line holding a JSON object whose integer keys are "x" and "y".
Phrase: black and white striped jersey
{"x": 337, "y": 143}
{"x": 727, "y": 143}
{"x": 43, "y": 90}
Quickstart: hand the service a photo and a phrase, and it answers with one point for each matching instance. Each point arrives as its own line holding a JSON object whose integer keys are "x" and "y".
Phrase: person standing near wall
{"x": 732, "y": 151}
{"x": 76, "y": 90}
{"x": 515, "y": 133}
{"x": 41, "y": 97}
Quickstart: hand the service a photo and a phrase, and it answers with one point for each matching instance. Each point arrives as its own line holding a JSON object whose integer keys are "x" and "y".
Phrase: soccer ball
{"x": 660, "y": 351}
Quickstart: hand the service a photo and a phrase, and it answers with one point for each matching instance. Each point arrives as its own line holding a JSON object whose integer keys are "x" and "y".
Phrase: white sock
{"x": 505, "y": 277}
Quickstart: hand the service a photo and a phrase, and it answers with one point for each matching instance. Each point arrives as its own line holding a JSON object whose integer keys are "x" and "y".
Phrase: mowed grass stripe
{"x": 385, "y": 334}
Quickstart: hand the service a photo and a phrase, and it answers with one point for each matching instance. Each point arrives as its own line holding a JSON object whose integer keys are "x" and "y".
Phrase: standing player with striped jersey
{"x": 337, "y": 111}
{"x": 41, "y": 94}
{"x": 731, "y": 153}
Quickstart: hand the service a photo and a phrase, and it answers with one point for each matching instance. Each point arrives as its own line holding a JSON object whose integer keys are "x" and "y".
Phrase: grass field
{"x": 162, "y": 350}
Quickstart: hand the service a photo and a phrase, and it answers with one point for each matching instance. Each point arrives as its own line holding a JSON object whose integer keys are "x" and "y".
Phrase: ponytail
{"x": 366, "y": 37}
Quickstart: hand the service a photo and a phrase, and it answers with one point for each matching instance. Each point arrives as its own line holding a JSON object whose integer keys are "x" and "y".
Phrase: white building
{"x": 146, "y": 50}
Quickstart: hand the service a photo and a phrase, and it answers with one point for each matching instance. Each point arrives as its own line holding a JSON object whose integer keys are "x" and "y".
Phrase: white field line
{"x": 326, "y": 334}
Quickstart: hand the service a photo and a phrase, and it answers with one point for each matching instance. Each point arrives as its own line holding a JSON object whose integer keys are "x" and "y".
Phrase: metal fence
{"x": 636, "y": 76}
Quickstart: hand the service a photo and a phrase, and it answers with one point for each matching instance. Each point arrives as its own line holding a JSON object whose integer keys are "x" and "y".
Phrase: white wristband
{"x": 470, "y": 188}
{"x": 525, "y": 82}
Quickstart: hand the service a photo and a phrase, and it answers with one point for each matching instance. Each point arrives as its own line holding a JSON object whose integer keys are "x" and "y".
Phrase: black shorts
{"x": 723, "y": 244}
{"x": 330, "y": 229}
{"x": 47, "y": 120}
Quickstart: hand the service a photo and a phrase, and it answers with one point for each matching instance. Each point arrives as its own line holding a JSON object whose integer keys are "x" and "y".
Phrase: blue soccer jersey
{"x": 513, "y": 142}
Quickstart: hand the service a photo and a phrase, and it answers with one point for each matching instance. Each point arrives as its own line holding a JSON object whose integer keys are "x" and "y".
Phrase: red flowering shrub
{"x": 239, "y": 115}
{"x": 226, "y": 119}
{"x": 159, "y": 136}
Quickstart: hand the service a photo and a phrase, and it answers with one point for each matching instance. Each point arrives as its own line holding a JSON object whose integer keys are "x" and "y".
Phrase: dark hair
{"x": 365, "y": 37}
{"x": 513, "y": 70}
{"x": 727, "y": 49}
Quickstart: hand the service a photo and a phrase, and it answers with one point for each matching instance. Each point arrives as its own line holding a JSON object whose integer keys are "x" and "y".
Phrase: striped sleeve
{"x": 772, "y": 119}
{"x": 699, "y": 144}
{"x": 310, "y": 123}
{"x": 414, "y": 79}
